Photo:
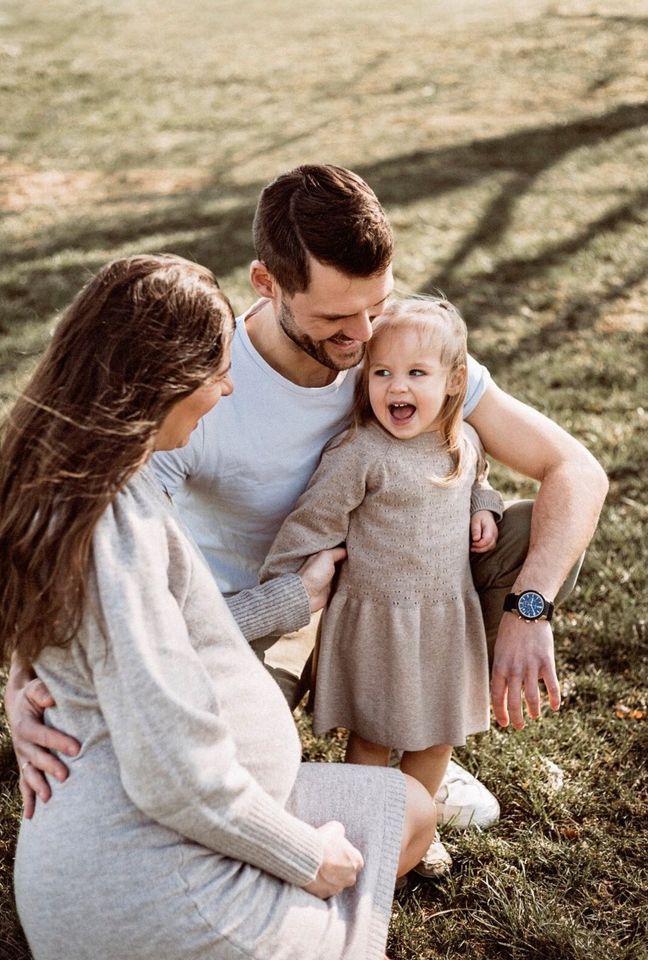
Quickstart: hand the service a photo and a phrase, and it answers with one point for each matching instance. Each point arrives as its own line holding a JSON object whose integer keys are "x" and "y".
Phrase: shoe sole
{"x": 460, "y": 820}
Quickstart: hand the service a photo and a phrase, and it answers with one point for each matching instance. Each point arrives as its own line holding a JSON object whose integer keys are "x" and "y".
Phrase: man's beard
{"x": 314, "y": 348}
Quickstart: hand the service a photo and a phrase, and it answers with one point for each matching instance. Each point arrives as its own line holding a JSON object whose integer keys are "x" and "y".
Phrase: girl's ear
{"x": 262, "y": 280}
{"x": 456, "y": 380}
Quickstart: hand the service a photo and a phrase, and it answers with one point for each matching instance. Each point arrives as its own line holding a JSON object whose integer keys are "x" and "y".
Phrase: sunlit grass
{"x": 508, "y": 144}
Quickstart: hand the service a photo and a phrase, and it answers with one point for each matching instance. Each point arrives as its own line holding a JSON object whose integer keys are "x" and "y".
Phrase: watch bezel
{"x": 522, "y": 599}
{"x": 512, "y": 605}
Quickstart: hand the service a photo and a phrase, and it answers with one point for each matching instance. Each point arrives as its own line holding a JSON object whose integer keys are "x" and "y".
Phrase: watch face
{"x": 531, "y": 605}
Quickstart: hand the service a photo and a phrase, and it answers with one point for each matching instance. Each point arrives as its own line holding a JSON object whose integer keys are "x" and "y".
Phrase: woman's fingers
{"x": 341, "y": 863}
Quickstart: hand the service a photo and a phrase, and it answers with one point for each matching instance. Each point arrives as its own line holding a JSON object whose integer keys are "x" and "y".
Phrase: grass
{"x": 508, "y": 144}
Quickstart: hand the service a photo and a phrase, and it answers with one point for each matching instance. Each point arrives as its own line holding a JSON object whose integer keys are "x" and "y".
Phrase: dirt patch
{"x": 22, "y": 187}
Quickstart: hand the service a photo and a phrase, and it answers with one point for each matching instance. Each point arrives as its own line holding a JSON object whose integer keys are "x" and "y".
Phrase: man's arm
{"x": 26, "y": 699}
{"x": 573, "y": 486}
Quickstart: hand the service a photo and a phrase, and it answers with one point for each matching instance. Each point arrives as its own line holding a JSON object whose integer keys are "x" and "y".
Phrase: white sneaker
{"x": 436, "y": 863}
{"x": 462, "y": 801}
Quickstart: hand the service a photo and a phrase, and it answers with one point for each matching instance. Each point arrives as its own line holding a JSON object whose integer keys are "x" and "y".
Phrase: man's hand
{"x": 483, "y": 531}
{"x": 317, "y": 574}
{"x": 32, "y": 740}
{"x": 524, "y": 654}
{"x": 341, "y": 864}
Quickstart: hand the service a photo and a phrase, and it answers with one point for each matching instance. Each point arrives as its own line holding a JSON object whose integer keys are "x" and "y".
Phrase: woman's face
{"x": 183, "y": 418}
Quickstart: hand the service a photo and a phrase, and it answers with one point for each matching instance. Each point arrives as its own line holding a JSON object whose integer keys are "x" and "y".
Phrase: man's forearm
{"x": 573, "y": 485}
{"x": 19, "y": 676}
{"x": 564, "y": 519}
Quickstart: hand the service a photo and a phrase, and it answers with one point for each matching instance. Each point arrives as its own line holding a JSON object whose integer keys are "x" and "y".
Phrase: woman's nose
{"x": 227, "y": 386}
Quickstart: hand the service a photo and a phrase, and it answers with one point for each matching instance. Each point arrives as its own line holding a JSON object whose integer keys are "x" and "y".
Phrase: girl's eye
{"x": 417, "y": 373}
{"x": 381, "y": 373}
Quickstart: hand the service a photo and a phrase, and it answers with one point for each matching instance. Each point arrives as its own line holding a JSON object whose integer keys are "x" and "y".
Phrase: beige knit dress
{"x": 186, "y": 828}
{"x": 402, "y": 655}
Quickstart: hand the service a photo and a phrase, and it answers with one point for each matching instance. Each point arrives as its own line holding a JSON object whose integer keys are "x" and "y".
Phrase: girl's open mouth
{"x": 402, "y": 412}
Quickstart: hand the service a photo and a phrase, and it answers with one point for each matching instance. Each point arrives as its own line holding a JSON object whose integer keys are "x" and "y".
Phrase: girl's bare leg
{"x": 363, "y": 751}
{"x": 427, "y": 766}
{"x": 420, "y": 812}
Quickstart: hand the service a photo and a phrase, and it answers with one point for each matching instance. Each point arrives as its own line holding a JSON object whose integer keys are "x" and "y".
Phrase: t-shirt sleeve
{"x": 177, "y": 758}
{"x": 478, "y": 380}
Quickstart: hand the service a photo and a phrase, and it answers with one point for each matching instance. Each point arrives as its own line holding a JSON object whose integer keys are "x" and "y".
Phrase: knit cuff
{"x": 276, "y": 607}
{"x": 279, "y": 843}
{"x": 487, "y": 499}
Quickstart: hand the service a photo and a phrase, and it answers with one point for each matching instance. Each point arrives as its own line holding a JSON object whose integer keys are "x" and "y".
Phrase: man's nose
{"x": 358, "y": 327}
{"x": 227, "y": 386}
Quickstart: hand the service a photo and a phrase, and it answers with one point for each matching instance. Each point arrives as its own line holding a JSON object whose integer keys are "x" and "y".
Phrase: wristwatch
{"x": 529, "y": 605}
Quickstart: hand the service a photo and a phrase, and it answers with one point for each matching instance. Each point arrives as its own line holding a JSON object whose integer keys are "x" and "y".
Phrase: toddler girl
{"x": 402, "y": 660}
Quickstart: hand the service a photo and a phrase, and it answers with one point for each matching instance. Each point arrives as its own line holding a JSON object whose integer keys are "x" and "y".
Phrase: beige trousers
{"x": 289, "y": 657}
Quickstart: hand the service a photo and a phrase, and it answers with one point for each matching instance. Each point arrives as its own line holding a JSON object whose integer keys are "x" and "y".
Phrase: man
{"x": 323, "y": 272}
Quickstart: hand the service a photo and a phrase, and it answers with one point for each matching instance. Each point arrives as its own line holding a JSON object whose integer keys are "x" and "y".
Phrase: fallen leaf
{"x": 570, "y": 833}
{"x": 627, "y": 713}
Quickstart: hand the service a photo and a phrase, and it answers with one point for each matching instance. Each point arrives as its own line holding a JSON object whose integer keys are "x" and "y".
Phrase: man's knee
{"x": 289, "y": 684}
{"x": 500, "y": 567}
{"x": 288, "y": 659}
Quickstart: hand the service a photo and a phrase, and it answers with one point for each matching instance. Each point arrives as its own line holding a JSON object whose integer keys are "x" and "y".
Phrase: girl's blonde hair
{"x": 437, "y": 323}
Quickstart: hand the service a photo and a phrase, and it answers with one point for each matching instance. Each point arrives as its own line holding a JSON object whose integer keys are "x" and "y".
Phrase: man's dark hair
{"x": 327, "y": 212}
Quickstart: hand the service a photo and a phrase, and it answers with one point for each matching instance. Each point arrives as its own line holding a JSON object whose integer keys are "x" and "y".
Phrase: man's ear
{"x": 456, "y": 380}
{"x": 262, "y": 280}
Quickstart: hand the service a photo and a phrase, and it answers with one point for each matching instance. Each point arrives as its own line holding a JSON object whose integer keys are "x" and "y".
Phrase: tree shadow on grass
{"x": 517, "y": 273}
{"x": 523, "y": 155}
{"x": 222, "y": 239}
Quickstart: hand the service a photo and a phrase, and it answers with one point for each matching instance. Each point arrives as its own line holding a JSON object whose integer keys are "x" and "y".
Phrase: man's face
{"x": 331, "y": 320}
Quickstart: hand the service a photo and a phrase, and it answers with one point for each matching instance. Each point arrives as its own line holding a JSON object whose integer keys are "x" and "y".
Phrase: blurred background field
{"x": 508, "y": 142}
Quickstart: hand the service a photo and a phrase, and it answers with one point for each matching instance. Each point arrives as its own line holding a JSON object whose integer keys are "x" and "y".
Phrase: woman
{"x": 187, "y": 828}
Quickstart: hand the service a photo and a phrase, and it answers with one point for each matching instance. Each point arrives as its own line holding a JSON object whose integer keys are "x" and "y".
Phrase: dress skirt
{"x": 409, "y": 674}
{"x": 95, "y": 878}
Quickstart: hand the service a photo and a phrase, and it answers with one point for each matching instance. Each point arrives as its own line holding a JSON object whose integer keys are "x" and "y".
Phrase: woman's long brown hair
{"x": 437, "y": 323}
{"x": 142, "y": 334}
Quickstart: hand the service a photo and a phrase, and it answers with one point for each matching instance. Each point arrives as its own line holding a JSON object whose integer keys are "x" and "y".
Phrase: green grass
{"x": 508, "y": 144}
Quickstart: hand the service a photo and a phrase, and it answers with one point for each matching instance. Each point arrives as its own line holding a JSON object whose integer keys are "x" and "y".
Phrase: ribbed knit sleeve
{"x": 320, "y": 519}
{"x": 483, "y": 496}
{"x": 278, "y": 606}
{"x": 177, "y": 756}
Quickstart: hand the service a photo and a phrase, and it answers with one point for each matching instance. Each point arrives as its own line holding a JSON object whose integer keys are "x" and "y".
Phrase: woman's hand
{"x": 25, "y": 702}
{"x": 341, "y": 864}
{"x": 317, "y": 574}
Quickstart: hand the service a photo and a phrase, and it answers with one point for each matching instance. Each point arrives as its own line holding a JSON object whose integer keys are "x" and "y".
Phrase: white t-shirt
{"x": 252, "y": 456}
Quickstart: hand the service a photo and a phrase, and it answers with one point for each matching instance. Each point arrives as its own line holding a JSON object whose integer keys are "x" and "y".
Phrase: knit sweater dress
{"x": 402, "y": 657}
{"x": 185, "y": 830}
